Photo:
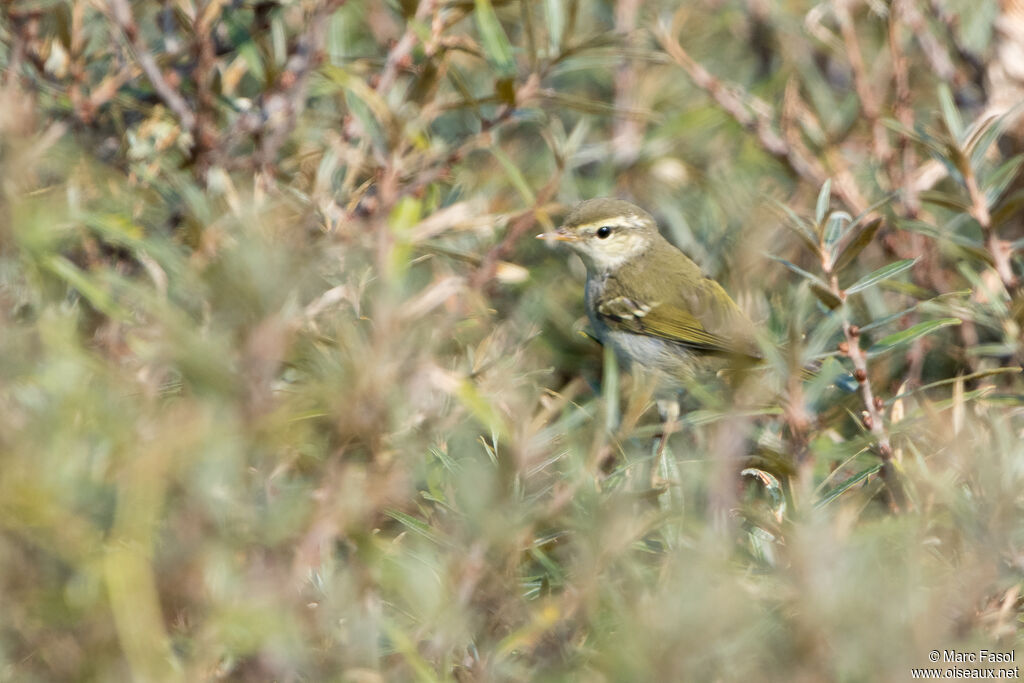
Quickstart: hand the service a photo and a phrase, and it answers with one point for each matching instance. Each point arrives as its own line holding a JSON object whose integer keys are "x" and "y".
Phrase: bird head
{"x": 606, "y": 232}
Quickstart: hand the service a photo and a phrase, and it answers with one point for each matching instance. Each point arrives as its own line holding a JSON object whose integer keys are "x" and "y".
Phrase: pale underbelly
{"x": 651, "y": 353}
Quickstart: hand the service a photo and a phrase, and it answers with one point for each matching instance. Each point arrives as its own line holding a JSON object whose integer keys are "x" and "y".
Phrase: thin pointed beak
{"x": 560, "y": 235}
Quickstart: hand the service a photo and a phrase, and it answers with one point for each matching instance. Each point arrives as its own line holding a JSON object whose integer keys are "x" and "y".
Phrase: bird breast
{"x": 647, "y": 352}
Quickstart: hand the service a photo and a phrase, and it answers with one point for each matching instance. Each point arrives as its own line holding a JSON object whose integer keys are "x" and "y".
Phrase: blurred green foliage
{"x": 289, "y": 392}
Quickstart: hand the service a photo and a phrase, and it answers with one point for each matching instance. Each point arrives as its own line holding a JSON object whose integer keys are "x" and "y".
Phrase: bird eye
{"x": 603, "y": 232}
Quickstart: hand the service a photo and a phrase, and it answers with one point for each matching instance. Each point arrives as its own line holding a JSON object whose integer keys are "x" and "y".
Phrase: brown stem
{"x": 628, "y": 135}
{"x": 122, "y": 13}
{"x": 998, "y": 250}
{"x": 862, "y": 82}
{"x": 904, "y": 160}
{"x": 873, "y": 417}
{"x": 398, "y": 56}
{"x": 758, "y": 117}
{"x": 519, "y": 227}
{"x": 274, "y": 121}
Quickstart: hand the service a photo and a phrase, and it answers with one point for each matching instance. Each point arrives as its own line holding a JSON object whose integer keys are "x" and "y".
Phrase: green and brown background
{"x": 288, "y": 391}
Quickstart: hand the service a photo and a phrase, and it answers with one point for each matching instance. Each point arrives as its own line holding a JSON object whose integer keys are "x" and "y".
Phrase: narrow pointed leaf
{"x": 842, "y": 488}
{"x": 492, "y": 35}
{"x": 866, "y": 213}
{"x": 1007, "y": 209}
{"x": 825, "y": 296}
{"x": 792, "y": 215}
{"x": 835, "y": 226}
{"x": 883, "y": 273}
{"x": 1015, "y": 369}
{"x": 417, "y": 526}
{"x": 856, "y": 245}
{"x": 944, "y": 233}
{"x": 554, "y": 15}
{"x": 945, "y": 200}
{"x": 814, "y": 279}
{"x": 982, "y": 138}
{"x": 824, "y": 196}
{"x": 997, "y": 182}
{"x": 515, "y": 176}
{"x": 805, "y": 236}
{"x": 897, "y": 127}
{"x": 910, "y": 334}
{"x": 950, "y": 114}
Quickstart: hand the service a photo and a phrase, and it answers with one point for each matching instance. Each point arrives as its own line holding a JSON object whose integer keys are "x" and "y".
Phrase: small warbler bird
{"x": 648, "y": 300}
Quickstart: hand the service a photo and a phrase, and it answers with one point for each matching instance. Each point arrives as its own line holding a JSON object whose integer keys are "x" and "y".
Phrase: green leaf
{"x": 799, "y": 226}
{"x": 863, "y": 215}
{"x": 1007, "y": 209}
{"x": 417, "y": 526}
{"x": 883, "y": 273}
{"x": 856, "y": 245}
{"x": 983, "y": 137}
{"x": 85, "y": 285}
{"x": 554, "y": 14}
{"x": 823, "y": 333}
{"x": 589, "y": 106}
{"x": 610, "y": 389}
{"x": 814, "y": 279}
{"x": 462, "y": 85}
{"x": 492, "y": 35}
{"x": 910, "y": 334}
{"x": 826, "y": 377}
{"x": 505, "y": 90}
{"x": 1016, "y": 369}
{"x": 945, "y": 200}
{"x": 515, "y": 176}
{"x": 899, "y": 128}
{"x": 806, "y": 237}
{"x": 992, "y": 350}
{"x": 115, "y": 228}
{"x": 824, "y": 196}
{"x": 995, "y": 298}
{"x": 996, "y": 183}
{"x": 839, "y": 490}
{"x": 250, "y": 53}
{"x": 825, "y": 296}
{"x": 480, "y": 408}
{"x": 950, "y": 114}
{"x": 882, "y": 322}
{"x": 405, "y": 215}
{"x": 792, "y": 215}
{"x": 944, "y": 233}
{"x": 834, "y": 226}
{"x": 372, "y": 110}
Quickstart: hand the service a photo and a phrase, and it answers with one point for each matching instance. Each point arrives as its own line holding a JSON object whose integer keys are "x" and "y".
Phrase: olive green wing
{"x": 701, "y": 317}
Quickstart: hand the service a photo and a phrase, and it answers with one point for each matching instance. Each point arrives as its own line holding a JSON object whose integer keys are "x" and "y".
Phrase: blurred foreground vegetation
{"x": 289, "y": 392}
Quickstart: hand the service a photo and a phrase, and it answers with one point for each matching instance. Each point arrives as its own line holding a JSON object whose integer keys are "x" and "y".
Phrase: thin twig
{"x": 950, "y": 23}
{"x": 998, "y": 249}
{"x": 758, "y": 117}
{"x": 202, "y": 75}
{"x": 122, "y": 13}
{"x": 519, "y": 227}
{"x": 399, "y": 55}
{"x": 934, "y": 52}
{"x": 273, "y": 121}
{"x": 904, "y": 161}
{"x": 627, "y": 135}
{"x": 872, "y": 416}
{"x": 862, "y": 82}
{"x": 745, "y": 109}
